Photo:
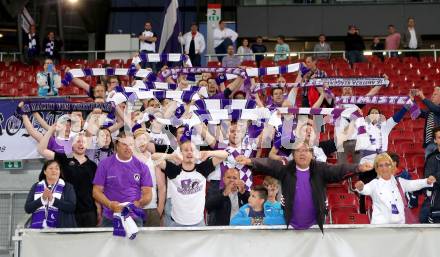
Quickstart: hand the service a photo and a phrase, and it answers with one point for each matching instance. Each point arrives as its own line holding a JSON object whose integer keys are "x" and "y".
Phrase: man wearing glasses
{"x": 303, "y": 183}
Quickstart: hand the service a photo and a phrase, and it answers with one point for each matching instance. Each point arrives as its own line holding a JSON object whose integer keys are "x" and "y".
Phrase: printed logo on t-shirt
{"x": 189, "y": 186}
{"x": 137, "y": 177}
{"x": 71, "y": 163}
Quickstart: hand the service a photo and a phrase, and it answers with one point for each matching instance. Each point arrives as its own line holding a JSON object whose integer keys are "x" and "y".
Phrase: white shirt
{"x": 413, "y": 40}
{"x": 342, "y": 126}
{"x": 384, "y": 193}
{"x": 160, "y": 138}
{"x": 220, "y": 35}
{"x": 199, "y": 42}
{"x": 145, "y": 45}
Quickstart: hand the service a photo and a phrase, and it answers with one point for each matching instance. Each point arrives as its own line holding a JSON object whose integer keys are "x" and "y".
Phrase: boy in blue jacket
{"x": 257, "y": 212}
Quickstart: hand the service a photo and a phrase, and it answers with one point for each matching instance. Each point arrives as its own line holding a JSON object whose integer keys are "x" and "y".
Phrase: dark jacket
{"x": 407, "y": 37}
{"x": 320, "y": 174}
{"x": 354, "y": 42}
{"x": 434, "y": 108}
{"x": 219, "y": 206}
{"x": 66, "y": 206}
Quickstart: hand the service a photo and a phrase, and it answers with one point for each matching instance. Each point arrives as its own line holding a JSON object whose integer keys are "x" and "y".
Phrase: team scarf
{"x": 32, "y": 42}
{"x": 217, "y": 104}
{"x": 147, "y": 85}
{"x": 153, "y": 57}
{"x": 123, "y": 223}
{"x": 50, "y": 46}
{"x": 215, "y": 116}
{"x": 64, "y": 107}
{"x": 109, "y": 71}
{"x": 47, "y": 215}
{"x": 198, "y": 70}
{"x": 382, "y": 100}
{"x": 249, "y": 151}
{"x": 350, "y": 81}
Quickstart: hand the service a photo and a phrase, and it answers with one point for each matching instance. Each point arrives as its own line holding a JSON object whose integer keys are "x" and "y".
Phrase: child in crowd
{"x": 272, "y": 186}
{"x": 256, "y": 212}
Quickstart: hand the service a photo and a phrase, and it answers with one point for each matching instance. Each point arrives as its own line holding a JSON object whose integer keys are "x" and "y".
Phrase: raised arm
{"x": 336, "y": 173}
{"x": 42, "y": 145}
{"x": 217, "y": 156}
{"x": 263, "y": 166}
{"x": 41, "y": 121}
{"x": 30, "y": 128}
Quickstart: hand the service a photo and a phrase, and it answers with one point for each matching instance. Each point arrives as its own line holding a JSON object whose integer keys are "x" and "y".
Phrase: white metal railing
{"x": 299, "y": 54}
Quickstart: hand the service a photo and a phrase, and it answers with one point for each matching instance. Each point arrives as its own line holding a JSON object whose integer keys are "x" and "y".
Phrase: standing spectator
{"x": 354, "y": 45}
{"x": 388, "y": 192}
{"x": 282, "y": 49}
{"x": 231, "y": 60}
{"x": 322, "y": 46}
{"x": 224, "y": 204}
{"x": 188, "y": 200}
{"x": 48, "y": 80}
{"x": 245, "y": 51}
{"x": 432, "y": 116}
{"x": 303, "y": 183}
{"x": 223, "y": 38}
{"x": 411, "y": 40}
{"x": 31, "y": 44}
{"x": 51, "y": 201}
{"x": 392, "y": 41}
{"x": 79, "y": 171}
{"x": 52, "y": 47}
{"x": 377, "y": 46}
{"x": 258, "y": 47}
{"x": 194, "y": 44}
{"x": 148, "y": 40}
{"x": 122, "y": 178}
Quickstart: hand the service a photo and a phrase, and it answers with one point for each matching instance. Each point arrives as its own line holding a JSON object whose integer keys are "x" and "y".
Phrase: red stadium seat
{"x": 249, "y": 63}
{"x": 267, "y": 63}
{"x": 283, "y": 62}
{"x": 343, "y": 201}
{"x": 350, "y": 218}
{"x": 269, "y": 79}
{"x": 214, "y": 64}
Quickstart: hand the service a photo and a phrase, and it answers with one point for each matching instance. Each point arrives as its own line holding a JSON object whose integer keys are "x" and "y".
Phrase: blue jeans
{"x": 355, "y": 56}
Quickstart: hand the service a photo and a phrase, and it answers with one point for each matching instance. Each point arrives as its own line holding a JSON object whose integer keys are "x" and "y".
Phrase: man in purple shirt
{"x": 304, "y": 183}
{"x": 122, "y": 178}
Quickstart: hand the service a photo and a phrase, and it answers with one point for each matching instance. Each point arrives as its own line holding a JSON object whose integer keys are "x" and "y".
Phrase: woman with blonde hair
{"x": 388, "y": 193}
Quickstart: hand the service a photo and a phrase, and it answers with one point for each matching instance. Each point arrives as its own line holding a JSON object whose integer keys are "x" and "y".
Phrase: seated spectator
{"x": 51, "y": 201}
{"x": 48, "y": 80}
{"x": 322, "y": 46}
{"x": 122, "y": 178}
{"x": 258, "y": 47}
{"x": 392, "y": 41}
{"x": 282, "y": 49}
{"x": 223, "y": 38}
{"x": 377, "y": 46}
{"x": 188, "y": 200}
{"x": 245, "y": 51}
{"x": 224, "y": 204}
{"x": 256, "y": 212}
{"x": 231, "y": 60}
{"x": 387, "y": 192}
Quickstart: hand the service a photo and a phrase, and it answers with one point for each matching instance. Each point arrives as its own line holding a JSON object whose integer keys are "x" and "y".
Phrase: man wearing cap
{"x": 354, "y": 45}
{"x": 303, "y": 183}
{"x": 122, "y": 178}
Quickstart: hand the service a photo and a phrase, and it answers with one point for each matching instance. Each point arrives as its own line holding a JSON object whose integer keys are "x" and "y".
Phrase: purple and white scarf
{"x": 80, "y": 73}
{"x": 153, "y": 57}
{"x": 217, "y": 104}
{"x": 47, "y": 215}
{"x": 197, "y": 70}
{"x": 140, "y": 85}
{"x": 123, "y": 223}
{"x": 382, "y": 100}
{"x": 349, "y": 82}
{"x": 65, "y": 107}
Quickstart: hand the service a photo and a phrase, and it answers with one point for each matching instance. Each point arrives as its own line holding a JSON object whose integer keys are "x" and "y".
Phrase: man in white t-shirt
{"x": 188, "y": 200}
{"x": 147, "y": 40}
{"x": 223, "y": 37}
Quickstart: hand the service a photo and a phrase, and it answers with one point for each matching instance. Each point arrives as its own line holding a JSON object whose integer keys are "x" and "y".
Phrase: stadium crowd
{"x": 173, "y": 158}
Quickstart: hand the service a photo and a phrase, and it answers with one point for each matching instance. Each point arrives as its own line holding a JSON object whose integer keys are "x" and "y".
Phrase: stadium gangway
{"x": 337, "y": 240}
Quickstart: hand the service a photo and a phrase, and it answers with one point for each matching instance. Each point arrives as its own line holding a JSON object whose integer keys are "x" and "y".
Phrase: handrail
{"x": 267, "y": 54}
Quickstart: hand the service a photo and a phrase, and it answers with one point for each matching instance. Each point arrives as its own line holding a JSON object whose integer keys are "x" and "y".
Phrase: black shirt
{"x": 81, "y": 177}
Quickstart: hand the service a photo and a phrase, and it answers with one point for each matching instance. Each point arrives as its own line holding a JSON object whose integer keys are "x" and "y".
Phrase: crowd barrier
{"x": 337, "y": 240}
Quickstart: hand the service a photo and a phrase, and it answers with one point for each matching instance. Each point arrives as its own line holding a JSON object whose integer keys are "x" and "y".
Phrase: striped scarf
{"x": 47, "y": 215}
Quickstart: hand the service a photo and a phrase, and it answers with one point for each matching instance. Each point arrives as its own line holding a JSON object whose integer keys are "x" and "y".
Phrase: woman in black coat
{"x": 50, "y": 179}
